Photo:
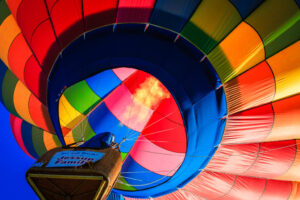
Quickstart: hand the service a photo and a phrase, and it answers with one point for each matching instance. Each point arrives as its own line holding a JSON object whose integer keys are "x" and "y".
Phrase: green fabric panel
{"x": 278, "y": 23}
{"x": 38, "y": 141}
{"x": 125, "y": 186}
{"x": 83, "y": 131}
{"x": 8, "y": 87}
{"x": 82, "y": 97}
{"x": 221, "y": 64}
{"x": 123, "y": 155}
{"x": 56, "y": 140}
{"x": 4, "y": 11}
{"x": 212, "y": 21}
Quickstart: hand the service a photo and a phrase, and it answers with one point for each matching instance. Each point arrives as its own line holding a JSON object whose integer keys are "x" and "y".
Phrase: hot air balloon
{"x": 202, "y": 95}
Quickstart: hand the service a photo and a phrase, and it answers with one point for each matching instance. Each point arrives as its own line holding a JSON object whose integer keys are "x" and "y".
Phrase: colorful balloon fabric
{"x": 202, "y": 95}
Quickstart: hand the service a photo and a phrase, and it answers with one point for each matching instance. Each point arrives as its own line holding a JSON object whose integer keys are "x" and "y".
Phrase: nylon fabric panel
{"x": 82, "y": 97}
{"x": 3, "y": 70}
{"x": 8, "y": 32}
{"x": 39, "y": 113}
{"x": 134, "y": 11}
{"x": 68, "y": 115}
{"x": 295, "y": 194}
{"x": 277, "y": 190}
{"x": 155, "y": 158}
{"x": 35, "y": 79}
{"x": 149, "y": 179}
{"x": 97, "y": 15}
{"x": 292, "y": 174}
{"x": 26, "y": 132}
{"x": 253, "y": 88}
{"x": 21, "y": 102}
{"x": 122, "y": 184}
{"x": 286, "y": 68}
{"x": 250, "y": 126}
{"x": 18, "y": 55}
{"x": 165, "y": 127}
{"x": 173, "y": 14}
{"x": 82, "y": 131}
{"x": 239, "y": 51}
{"x": 102, "y": 120}
{"x": 15, "y": 124}
{"x": 38, "y": 141}
{"x": 13, "y": 6}
{"x": 4, "y": 11}
{"x": 246, "y": 7}
{"x": 212, "y": 21}
{"x": 123, "y": 72}
{"x": 286, "y": 119}
{"x": 67, "y": 23}
{"x": 278, "y": 24}
{"x": 8, "y": 87}
{"x": 51, "y": 141}
{"x": 103, "y": 83}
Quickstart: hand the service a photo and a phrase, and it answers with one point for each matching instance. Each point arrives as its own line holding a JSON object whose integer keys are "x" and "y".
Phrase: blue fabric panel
{"x": 173, "y": 14}
{"x": 298, "y": 3}
{"x": 245, "y": 7}
{"x": 26, "y": 131}
{"x": 100, "y": 141}
{"x": 114, "y": 196}
{"x": 102, "y": 120}
{"x": 3, "y": 70}
{"x": 189, "y": 80}
{"x": 142, "y": 180}
{"x": 103, "y": 83}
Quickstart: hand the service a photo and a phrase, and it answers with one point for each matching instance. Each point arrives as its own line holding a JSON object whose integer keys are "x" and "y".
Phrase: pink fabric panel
{"x": 15, "y": 124}
{"x": 134, "y": 10}
{"x": 126, "y": 109}
{"x": 123, "y": 72}
{"x": 235, "y": 159}
{"x": 155, "y": 158}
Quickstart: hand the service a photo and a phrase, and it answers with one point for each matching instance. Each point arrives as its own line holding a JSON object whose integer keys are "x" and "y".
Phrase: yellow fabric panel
{"x": 68, "y": 115}
{"x": 48, "y": 141}
{"x": 286, "y": 69}
{"x": 214, "y": 16}
{"x": 9, "y": 30}
{"x": 293, "y": 172}
{"x": 295, "y": 194}
{"x": 239, "y": 51}
{"x": 69, "y": 138}
{"x": 21, "y": 102}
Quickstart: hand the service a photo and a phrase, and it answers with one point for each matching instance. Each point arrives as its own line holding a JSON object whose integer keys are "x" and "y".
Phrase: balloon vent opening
{"x": 75, "y": 173}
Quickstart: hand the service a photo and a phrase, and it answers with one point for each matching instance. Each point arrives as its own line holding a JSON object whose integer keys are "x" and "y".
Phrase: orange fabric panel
{"x": 286, "y": 119}
{"x": 286, "y": 68}
{"x": 292, "y": 173}
{"x": 242, "y": 49}
{"x": 48, "y": 141}
{"x": 295, "y": 194}
{"x": 9, "y": 30}
{"x": 21, "y": 99}
{"x": 40, "y": 115}
{"x": 253, "y": 88}
{"x": 18, "y": 54}
{"x": 69, "y": 138}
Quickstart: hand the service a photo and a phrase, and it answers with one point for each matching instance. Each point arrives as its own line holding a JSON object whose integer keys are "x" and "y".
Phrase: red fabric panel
{"x": 249, "y": 126}
{"x": 15, "y": 124}
{"x": 13, "y": 6}
{"x": 99, "y": 14}
{"x": 39, "y": 114}
{"x": 32, "y": 18}
{"x": 253, "y": 88}
{"x": 66, "y": 16}
{"x": 251, "y": 188}
{"x": 274, "y": 159}
{"x": 277, "y": 190}
{"x": 165, "y": 127}
{"x": 233, "y": 159}
{"x": 211, "y": 185}
{"x": 134, "y": 11}
{"x": 18, "y": 55}
{"x": 36, "y": 79}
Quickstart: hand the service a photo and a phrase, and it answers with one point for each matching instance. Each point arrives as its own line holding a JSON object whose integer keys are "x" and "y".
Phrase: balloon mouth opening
{"x": 141, "y": 113}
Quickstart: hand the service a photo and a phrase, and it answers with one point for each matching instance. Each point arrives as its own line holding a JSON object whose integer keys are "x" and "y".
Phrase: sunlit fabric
{"x": 202, "y": 95}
